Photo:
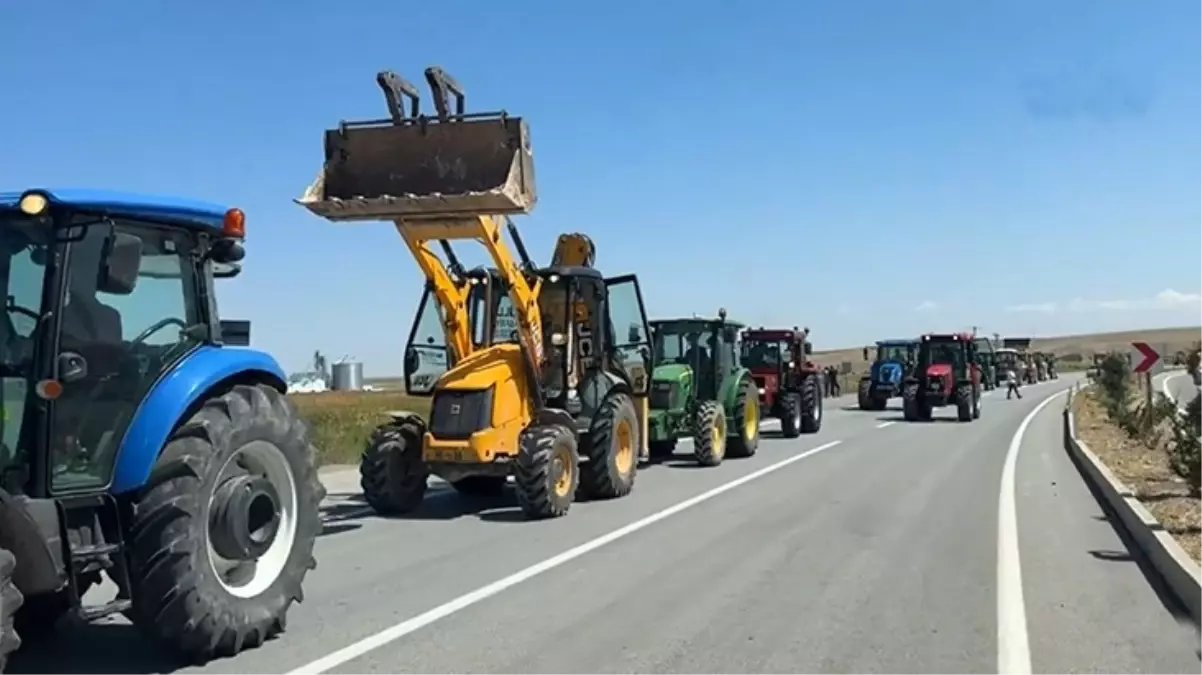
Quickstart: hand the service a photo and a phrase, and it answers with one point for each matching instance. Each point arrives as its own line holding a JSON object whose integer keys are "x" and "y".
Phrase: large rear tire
{"x": 612, "y": 449}
{"x": 547, "y": 471}
{"x": 391, "y": 471}
{"x": 10, "y": 602}
{"x": 709, "y": 434}
{"x": 811, "y": 405}
{"x": 964, "y": 402}
{"x": 746, "y": 438}
{"x": 864, "y": 396}
{"x": 184, "y": 592}
{"x": 910, "y": 404}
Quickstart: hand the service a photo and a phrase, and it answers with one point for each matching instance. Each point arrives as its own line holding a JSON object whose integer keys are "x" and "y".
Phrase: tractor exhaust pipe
{"x": 411, "y": 165}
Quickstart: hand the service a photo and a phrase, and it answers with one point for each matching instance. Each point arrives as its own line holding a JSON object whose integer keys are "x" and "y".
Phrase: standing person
{"x": 1012, "y": 384}
{"x": 835, "y": 388}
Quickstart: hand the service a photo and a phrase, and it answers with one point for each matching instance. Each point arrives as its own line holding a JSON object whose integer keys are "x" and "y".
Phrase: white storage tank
{"x": 346, "y": 376}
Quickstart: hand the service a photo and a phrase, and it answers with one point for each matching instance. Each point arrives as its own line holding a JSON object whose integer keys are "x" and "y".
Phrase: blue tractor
{"x": 884, "y": 378}
{"x": 141, "y": 439}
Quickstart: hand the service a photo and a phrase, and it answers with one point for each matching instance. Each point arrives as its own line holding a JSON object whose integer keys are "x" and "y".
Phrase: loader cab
{"x": 102, "y": 298}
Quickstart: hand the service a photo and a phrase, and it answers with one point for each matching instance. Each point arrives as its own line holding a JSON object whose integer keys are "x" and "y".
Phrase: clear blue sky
{"x": 870, "y": 156}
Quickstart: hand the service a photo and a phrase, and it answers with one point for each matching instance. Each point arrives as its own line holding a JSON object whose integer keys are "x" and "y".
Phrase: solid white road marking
{"x": 882, "y": 425}
{"x": 408, "y": 626}
{"x": 1014, "y": 651}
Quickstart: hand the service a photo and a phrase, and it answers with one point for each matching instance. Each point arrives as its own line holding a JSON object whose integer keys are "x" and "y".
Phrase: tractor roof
{"x": 762, "y": 333}
{"x": 186, "y": 212}
{"x": 896, "y": 343}
{"x": 693, "y": 321}
{"x": 947, "y": 337}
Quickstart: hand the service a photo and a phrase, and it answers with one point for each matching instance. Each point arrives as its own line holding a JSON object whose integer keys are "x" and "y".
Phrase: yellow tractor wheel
{"x": 612, "y": 448}
{"x": 547, "y": 471}
{"x": 709, "y": 434}
{"x": 745, "y": 438}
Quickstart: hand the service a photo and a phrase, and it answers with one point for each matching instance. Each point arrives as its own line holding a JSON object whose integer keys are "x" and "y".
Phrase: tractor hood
{"x": 671, "y": 372}
{"x": 766, "y": 379}
{"x": 939, "y": 370}
{"x": 887, "y": 371}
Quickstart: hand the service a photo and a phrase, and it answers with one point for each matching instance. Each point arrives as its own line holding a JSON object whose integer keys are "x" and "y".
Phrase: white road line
{"x": 420, "y": 621}
{"x": 1014, "y": 651}
{"x": 882, "y": 425}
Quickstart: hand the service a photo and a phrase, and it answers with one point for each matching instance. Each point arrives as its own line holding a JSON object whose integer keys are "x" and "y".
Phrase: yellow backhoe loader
{"x": 536, "y": 372}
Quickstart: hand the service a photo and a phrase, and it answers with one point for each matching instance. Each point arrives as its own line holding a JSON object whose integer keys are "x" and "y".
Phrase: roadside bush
{"x": 1114, "y": 382}
{"x": 1185, "y": 448}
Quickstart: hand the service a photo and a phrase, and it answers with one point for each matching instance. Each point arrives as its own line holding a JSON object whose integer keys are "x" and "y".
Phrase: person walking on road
{"x": 834, "y": 381}
{"x": 1012, "y": 384}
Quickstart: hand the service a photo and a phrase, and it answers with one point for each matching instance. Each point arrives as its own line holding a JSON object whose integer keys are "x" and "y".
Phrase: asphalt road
{"x": 873, "y": 546}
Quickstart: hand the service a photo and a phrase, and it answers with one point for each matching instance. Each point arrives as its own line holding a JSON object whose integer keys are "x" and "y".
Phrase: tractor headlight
{"x": 33, "y": 203}
{"x": 761, "y": 391}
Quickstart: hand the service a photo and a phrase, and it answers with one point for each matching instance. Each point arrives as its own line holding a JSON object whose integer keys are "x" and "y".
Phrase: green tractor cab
{"x": 700, "y": 389}
{"x": 987, "y": 358}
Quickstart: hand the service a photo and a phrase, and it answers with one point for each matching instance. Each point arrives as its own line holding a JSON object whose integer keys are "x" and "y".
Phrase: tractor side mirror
{"x": 120, "y": 263}
{"x": 72, "y": 367}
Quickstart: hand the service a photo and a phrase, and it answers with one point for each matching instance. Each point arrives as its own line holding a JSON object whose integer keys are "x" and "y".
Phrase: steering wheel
{"x": 156, "y": 327}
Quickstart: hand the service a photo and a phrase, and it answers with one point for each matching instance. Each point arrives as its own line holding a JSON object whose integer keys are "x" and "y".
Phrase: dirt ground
{"x": 1145, "y": 470}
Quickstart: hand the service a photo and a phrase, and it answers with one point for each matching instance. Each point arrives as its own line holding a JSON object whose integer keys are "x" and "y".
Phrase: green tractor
{"x": 987, "y": 358}
{"x": 700, "y": 389}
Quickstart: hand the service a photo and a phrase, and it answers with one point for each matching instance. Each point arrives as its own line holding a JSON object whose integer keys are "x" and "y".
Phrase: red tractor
{"x": 948, "y": 373}
{"x": 789, "y": 382}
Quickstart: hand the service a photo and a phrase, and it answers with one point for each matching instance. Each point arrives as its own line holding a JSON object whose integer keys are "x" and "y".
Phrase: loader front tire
{"x": 10, "y": 602}
{"x": 612, "y": 448}
{"x": 244, "y": 458}
{"x": 391, "y": 471}
{"x": 746, "y": 439}
{"x": 547, "y": 471}
{"x": 709, "y": 434}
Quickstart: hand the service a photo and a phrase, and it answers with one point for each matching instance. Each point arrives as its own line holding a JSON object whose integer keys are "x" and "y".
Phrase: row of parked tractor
{"x": 176, "y": 467}
{"x": 952, "y": 369}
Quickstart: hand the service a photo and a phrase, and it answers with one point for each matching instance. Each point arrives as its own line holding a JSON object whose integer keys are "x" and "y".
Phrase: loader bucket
{"x": 425, "y": 168}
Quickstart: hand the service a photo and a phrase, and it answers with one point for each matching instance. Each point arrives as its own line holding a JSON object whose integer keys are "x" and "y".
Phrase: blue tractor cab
{"x": 884, "y": 378}
{"x": 141, "y": 438}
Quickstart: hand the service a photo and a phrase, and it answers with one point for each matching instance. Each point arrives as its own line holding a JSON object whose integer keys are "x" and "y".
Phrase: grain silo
{"x": 346, "y": 375}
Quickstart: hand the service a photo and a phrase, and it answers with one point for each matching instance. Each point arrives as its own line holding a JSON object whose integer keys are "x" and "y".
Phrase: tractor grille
{"x": 662, "y": 395}
{"x": 458, "y": 413}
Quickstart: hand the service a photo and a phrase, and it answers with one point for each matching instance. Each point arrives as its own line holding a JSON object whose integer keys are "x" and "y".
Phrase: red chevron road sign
{"x": 1150, "y": 356}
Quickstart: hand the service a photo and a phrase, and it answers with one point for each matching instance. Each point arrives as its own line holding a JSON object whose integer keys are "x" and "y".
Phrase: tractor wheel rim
{"x": 562, "y": 466}
{"x": 751, "y": 418}
{"x": 247, "y": 579}
{"x": 624, "y": 457}
{"x": 718, "y": 436}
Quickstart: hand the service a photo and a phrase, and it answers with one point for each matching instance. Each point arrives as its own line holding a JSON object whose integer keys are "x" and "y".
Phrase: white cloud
{"x": 1040, "y": 307}
{"x": 927, "y": 306}
{"x": 1166, "y": 299}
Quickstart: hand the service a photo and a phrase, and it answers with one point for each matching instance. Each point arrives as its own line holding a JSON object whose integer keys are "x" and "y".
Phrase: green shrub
{"x": 342, "y": 421}
{"x": 1185, "y": 449}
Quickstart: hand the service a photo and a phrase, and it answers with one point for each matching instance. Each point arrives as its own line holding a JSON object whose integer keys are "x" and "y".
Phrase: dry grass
{"x": 343, "y": 421}
{"x": 1145, "y": 470}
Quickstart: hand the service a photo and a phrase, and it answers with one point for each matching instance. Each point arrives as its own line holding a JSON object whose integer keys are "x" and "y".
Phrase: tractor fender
{"x": 30, "y": 530}
{"x": 730, "y": 388}
{"x": 403, "y": 416}
{"x": 172, "y": 399}
{"x": 558, "y": 416}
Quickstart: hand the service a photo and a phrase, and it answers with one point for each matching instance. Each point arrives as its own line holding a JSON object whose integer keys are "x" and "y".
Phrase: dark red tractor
{"x": 788, "y": 381}
{"x": 948, "y": 373}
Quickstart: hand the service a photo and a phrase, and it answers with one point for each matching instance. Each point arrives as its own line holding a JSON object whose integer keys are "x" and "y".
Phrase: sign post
{"x": 1146, "y": 360}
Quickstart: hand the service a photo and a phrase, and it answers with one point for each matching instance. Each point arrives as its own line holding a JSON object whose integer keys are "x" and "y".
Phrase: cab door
{"x": 631, "y": 332}
{"x": 427, "y": 356}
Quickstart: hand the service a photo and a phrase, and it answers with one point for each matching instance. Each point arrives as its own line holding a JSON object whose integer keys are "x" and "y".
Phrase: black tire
{"x": 709, "y": 434}
{"x": 811, "y": 406}
{"x": 964, "y": 402}
{"x": 391, "y": 471}
{"x": 662, "y": 449}
{"x": 610, "y": 470}
{"x": 10, "y": 602}
{"x": 864, "y": 396}
{"x": 790, "y": 415}
{"x": 547, "y": 471}
{"x": 976, "y": 405}
{"x": 177, "y": 595}
{"x": 745, "y": 441}
{"x": 880, "y": 403}
{"x": 41, "y": 615}
{"x": 480, "y": 486}
{"x": 910, "y": 404}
